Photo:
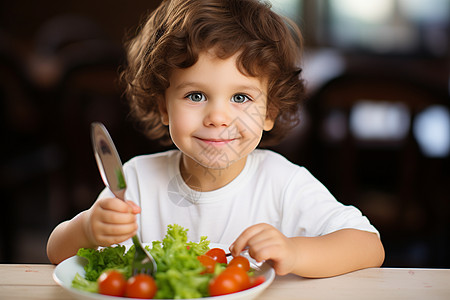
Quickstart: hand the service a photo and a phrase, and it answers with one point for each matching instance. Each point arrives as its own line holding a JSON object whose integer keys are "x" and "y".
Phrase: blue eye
{"x": 196, "y": 97}
{"x": 240, "y": 98}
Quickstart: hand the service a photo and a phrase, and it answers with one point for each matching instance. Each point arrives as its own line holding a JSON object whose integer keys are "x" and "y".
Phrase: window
{"x": 289, "y": 8}
{"x": 389, "y": 26}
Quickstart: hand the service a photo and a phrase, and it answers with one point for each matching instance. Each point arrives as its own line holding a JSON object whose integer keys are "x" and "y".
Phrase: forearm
{"x": 337, "y": 253}
{"x": 67, "y": 238}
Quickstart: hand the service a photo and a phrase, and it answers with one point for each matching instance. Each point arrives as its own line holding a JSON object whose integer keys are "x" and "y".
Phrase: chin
{"x": 216, "y": 163}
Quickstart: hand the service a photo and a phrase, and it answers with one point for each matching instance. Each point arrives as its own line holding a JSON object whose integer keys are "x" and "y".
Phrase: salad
{"x": 185, "y": 270}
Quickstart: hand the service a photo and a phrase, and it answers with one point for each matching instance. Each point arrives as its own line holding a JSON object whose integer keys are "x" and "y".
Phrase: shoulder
{"x": 152, "y": 162}
{"x": 271, "y": 161}
{"x": 272, "y": 167}
{"x": 154, "y": 158}
{"x": 275, "y": 166}
{"x": 148, "y": 172}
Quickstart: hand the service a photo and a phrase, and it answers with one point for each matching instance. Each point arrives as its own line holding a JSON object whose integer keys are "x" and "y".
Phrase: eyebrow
{"x": 186, "y": 84}
{"x": 237, "y": 87}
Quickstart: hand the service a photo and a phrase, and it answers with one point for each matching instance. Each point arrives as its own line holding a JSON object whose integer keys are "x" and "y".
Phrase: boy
{"x": 215, "y": 77}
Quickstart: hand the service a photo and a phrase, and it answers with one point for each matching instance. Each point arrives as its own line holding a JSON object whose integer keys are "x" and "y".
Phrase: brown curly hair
{"x": 178, "y": 30}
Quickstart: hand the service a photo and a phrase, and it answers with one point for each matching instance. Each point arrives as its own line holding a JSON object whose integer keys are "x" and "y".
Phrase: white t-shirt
{"x": 270, "y": 189}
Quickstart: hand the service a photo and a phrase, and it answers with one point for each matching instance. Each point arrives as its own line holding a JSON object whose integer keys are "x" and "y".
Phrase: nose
{"x": 218, "y": 114}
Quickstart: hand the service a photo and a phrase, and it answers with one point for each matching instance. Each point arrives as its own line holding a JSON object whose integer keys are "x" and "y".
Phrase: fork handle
{"x": 136, "y": 241}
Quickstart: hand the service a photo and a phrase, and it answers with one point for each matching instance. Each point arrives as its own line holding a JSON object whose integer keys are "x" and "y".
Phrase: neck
{"x": 204, "y": 179}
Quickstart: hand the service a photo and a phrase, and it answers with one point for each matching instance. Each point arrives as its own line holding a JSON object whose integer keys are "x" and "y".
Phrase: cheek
{"x": 253, "y": 119}
{"x": 180, "y": 121}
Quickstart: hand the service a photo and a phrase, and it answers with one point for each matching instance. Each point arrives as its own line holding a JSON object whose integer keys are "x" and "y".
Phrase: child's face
{"x": 216, "y": 115}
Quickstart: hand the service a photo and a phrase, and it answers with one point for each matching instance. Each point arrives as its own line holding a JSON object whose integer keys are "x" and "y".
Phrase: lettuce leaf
{"x": 179, "y": 273}
{"x": 81, "y": 283}
{"x": 106, "y": 258}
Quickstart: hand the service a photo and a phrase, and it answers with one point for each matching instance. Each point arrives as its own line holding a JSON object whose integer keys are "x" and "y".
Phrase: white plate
{"x": 66, "y": 270}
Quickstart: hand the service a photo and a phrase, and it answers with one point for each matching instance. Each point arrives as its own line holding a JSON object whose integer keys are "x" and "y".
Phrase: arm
{"x": 109, "y": 221}
{"x": 329, "y": 255}
{"x": 67, "y": 238}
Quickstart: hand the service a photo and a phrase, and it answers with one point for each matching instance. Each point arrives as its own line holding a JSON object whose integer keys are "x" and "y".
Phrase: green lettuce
{"x": 81, "y": 283}
{"x": 179, "y": 272}
{"x": 106, "y": 258}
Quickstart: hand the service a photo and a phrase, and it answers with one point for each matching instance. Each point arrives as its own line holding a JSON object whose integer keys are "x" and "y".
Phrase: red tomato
{"x": 141, "y": 286}
{"x": 233, "y": 279}
{"x": 256, "y": 280}
{"x": 223, "y": 284}
{"x": 239, "y": 275}
{"x": 208, "y": 262}
{"x": 240, "y": 262}
{"x": 218, "y": 255}
{"x": 112, "y": 283}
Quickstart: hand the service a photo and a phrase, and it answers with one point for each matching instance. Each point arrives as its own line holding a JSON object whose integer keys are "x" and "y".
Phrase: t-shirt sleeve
{"x": 309, "y": 209}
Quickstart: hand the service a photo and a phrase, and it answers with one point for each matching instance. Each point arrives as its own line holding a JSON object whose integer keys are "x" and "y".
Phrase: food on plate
{"x": 218, "y": 255}
{"x": 112, "y": 283}
{"x": 232, "y": 279}
{"x": 256, "y": 280}
{"x": 241, "y": 262}
{"x": 185, "y": 270}
{"x": 208, "y": 262}
{"x": 141, "y": 286}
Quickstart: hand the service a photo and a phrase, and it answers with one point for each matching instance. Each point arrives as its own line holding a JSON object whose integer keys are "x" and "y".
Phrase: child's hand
{"x": 265, "y": 242}
{"x": 111, "y": 221}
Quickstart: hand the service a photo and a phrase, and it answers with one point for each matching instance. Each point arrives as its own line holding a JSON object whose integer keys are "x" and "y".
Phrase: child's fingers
{"x": 106, "y": 234}
{"x": 135, "y": 209}
{"x": 115, "y": 204}
{"x": 116, "y": 229}
{"x": 114, "y": 217}
{"x": 243, "y": 240}
{"x": 264, "y": 242}
{"x": 106, "y": 240}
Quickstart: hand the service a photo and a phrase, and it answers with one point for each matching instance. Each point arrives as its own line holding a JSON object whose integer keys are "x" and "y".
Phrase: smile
{"x": 216, "y": 142}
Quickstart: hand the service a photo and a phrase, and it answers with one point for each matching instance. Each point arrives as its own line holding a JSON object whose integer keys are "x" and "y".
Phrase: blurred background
{"x": 375, "y": 128}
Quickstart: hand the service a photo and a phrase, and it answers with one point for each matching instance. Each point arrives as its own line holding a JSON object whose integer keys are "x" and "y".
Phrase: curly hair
{"x": 176, "y": 33}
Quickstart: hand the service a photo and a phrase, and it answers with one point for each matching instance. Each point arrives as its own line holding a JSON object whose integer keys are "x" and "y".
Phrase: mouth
{"x": 216, "y": 142}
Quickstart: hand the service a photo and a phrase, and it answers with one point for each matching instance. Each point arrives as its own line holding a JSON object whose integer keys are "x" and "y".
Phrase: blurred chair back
{"x": 364, "y": 150}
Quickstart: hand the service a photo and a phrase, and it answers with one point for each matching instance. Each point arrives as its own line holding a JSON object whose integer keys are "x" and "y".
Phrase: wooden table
{"x": 36, "y": 282}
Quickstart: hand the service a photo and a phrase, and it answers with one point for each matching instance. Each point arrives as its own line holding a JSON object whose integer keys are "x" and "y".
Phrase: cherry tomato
{"x": 240, "y": 262}
{"x": 141, "y": 286}
{"x": 208, "y": 262}
{"x": 256, "y": 280}
{"x": 233, "y": 279}
{"x": 239, "y": 275}
{"x": 223, "y": 284}
{"x": 112, "y": 283}
{"x": 218, "y": 255}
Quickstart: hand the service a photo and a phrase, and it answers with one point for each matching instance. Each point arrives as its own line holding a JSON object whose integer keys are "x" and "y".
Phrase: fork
{"x": 111, "y": 170}
{"x": 143, "y": 262}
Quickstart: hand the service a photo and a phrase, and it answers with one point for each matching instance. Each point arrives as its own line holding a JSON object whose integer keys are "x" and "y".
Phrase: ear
{"x": 268, "y": 124}
{"x": 163, "y": 111}
{"x": 271, "y": 115}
